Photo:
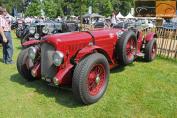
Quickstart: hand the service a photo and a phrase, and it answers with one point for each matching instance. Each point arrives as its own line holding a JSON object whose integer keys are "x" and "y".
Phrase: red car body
{"x": 81, "y": 44}
{"x": 76, "y": 47}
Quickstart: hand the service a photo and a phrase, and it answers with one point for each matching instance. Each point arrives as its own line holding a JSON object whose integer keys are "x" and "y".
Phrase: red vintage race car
{"x": 83, "y": 59}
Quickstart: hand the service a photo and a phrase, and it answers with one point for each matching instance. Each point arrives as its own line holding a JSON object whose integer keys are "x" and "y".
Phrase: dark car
{"x": 38, "y": 30}
{"x": 124, "y": 25}
{"x": 170, "y": 25}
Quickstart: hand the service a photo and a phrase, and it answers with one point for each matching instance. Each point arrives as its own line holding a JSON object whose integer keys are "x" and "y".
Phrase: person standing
{"x": 5, "y": 24}
{"x": 113, "y": 19}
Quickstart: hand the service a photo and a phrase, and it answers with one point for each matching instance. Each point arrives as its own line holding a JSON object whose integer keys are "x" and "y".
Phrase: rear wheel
{"x": 126, "y": 48}
{"x": 151, "y": 50}
{"x": 22, "y": 67}
{"x": 90, "y": 78}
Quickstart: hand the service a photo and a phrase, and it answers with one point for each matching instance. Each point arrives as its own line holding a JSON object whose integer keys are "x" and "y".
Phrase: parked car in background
{"x": 124, "y": 25}
{"x": 37, "y": 30}
{"x": 21, "y": 30}
{"x": 170, "y": 25}
{"x": 14, "y": 25}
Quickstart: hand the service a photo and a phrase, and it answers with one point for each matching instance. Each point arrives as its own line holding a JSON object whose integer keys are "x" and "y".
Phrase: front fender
{"x": 31, "y": 42}
{"x": 150, "y": 36}
{"x": 64, "y": 75}
{"x": 89, "y": 50}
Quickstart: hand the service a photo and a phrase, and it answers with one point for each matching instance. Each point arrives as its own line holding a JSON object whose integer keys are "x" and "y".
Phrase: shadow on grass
{"x": 63, "y": 96}
{"x": 1, "y": 60}
{"x": 117, "y": 69}
{"x": 120, "y": 68}
{"x": 140, "y": 60}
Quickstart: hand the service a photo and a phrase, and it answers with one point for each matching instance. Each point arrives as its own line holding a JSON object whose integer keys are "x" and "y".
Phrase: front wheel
{"x": 22, "y": 67}
{"x": 90, "y": 79}
{"x": 150, "y": 50}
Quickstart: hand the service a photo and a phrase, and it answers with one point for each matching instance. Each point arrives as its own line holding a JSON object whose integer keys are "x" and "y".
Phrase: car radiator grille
{"x": 39, "y": 29}
{"x": 48, "y": 69}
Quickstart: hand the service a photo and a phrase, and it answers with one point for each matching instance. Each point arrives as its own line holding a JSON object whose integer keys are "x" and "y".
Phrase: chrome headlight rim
{"x": 32, "y": 30}
{"x": 36, "y": 36}
{"x": 45, "y": 30}
{"x": 32, "y": 53}
{"x": 58, "y": 57}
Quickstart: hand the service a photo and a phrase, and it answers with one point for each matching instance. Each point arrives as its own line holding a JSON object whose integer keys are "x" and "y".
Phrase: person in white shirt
{"x": 113, "y": 19}
{"x": 5, "y": 24}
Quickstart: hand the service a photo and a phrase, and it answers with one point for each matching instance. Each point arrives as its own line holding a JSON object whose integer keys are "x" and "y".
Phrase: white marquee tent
{"x": 120, "y": 15}
{"x": 129, "y": 16}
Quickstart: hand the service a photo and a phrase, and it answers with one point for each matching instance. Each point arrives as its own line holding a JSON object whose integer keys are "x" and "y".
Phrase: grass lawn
{"x": 139, "y": 90}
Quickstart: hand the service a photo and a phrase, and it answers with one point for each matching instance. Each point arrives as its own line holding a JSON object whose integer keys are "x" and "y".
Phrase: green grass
{"x": 139, "y": 90}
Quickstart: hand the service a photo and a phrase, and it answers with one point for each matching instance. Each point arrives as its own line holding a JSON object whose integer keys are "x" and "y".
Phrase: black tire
{"x": 21, "y": 66}
{"x": 80, "y": 79}
{"x": 121, "y": 47}
{"x": 149, "y": 50}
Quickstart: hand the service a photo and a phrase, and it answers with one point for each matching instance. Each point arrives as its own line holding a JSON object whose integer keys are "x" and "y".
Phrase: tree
{"x": 123, "y": 6}
{"x": 8, "y": 4}
{"x": 60, "y": 10}
{"x": 34, "y": 9}
{"x": 106, "y": 8}
{"x": 54, "y": 8}
{"x": 50, "y": 8}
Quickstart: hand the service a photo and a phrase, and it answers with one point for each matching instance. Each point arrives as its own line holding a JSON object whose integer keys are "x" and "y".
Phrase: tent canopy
{"x": 72, "y": 16}
{"x": 129, "y": 16}
{"x": 93, "y": 15}
{"x": 120, "y": 15}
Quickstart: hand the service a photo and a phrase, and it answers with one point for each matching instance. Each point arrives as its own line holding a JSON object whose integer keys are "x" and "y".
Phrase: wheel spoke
{"x": 91, "y": 86}
{"x": 130, "y": 49}
{"x": 96, "y": 79}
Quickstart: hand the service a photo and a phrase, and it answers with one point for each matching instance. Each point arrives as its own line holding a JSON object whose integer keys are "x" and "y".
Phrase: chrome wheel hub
{"x": 97, "y": 79}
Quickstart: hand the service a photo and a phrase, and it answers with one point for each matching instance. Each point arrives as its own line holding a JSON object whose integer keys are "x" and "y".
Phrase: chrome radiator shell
{"x": 48, "y": 69}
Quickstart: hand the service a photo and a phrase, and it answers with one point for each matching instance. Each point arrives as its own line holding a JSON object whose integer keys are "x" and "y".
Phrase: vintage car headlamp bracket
{"x": 58, "y": 57}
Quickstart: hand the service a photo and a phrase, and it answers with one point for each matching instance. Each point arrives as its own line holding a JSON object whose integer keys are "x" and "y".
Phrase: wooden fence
{"x": 166, "y": 41}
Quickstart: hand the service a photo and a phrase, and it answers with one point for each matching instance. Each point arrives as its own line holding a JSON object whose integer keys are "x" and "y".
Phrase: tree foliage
{"x": 9, "y": 4}
{"x": 50, "y": 8}
{"x": 54, "y": 8}
{"x": 123, "y": 6}
{"x": 34, "y": 9}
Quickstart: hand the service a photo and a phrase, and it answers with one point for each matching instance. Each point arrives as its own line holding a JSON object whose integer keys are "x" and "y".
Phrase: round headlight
{"x": 36, "y": 36}
{"x": 45, "y": 30}
{"x": 32, "y": 30}
{"x": 58, "y": 58}
{"x": 32, "y": 53}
